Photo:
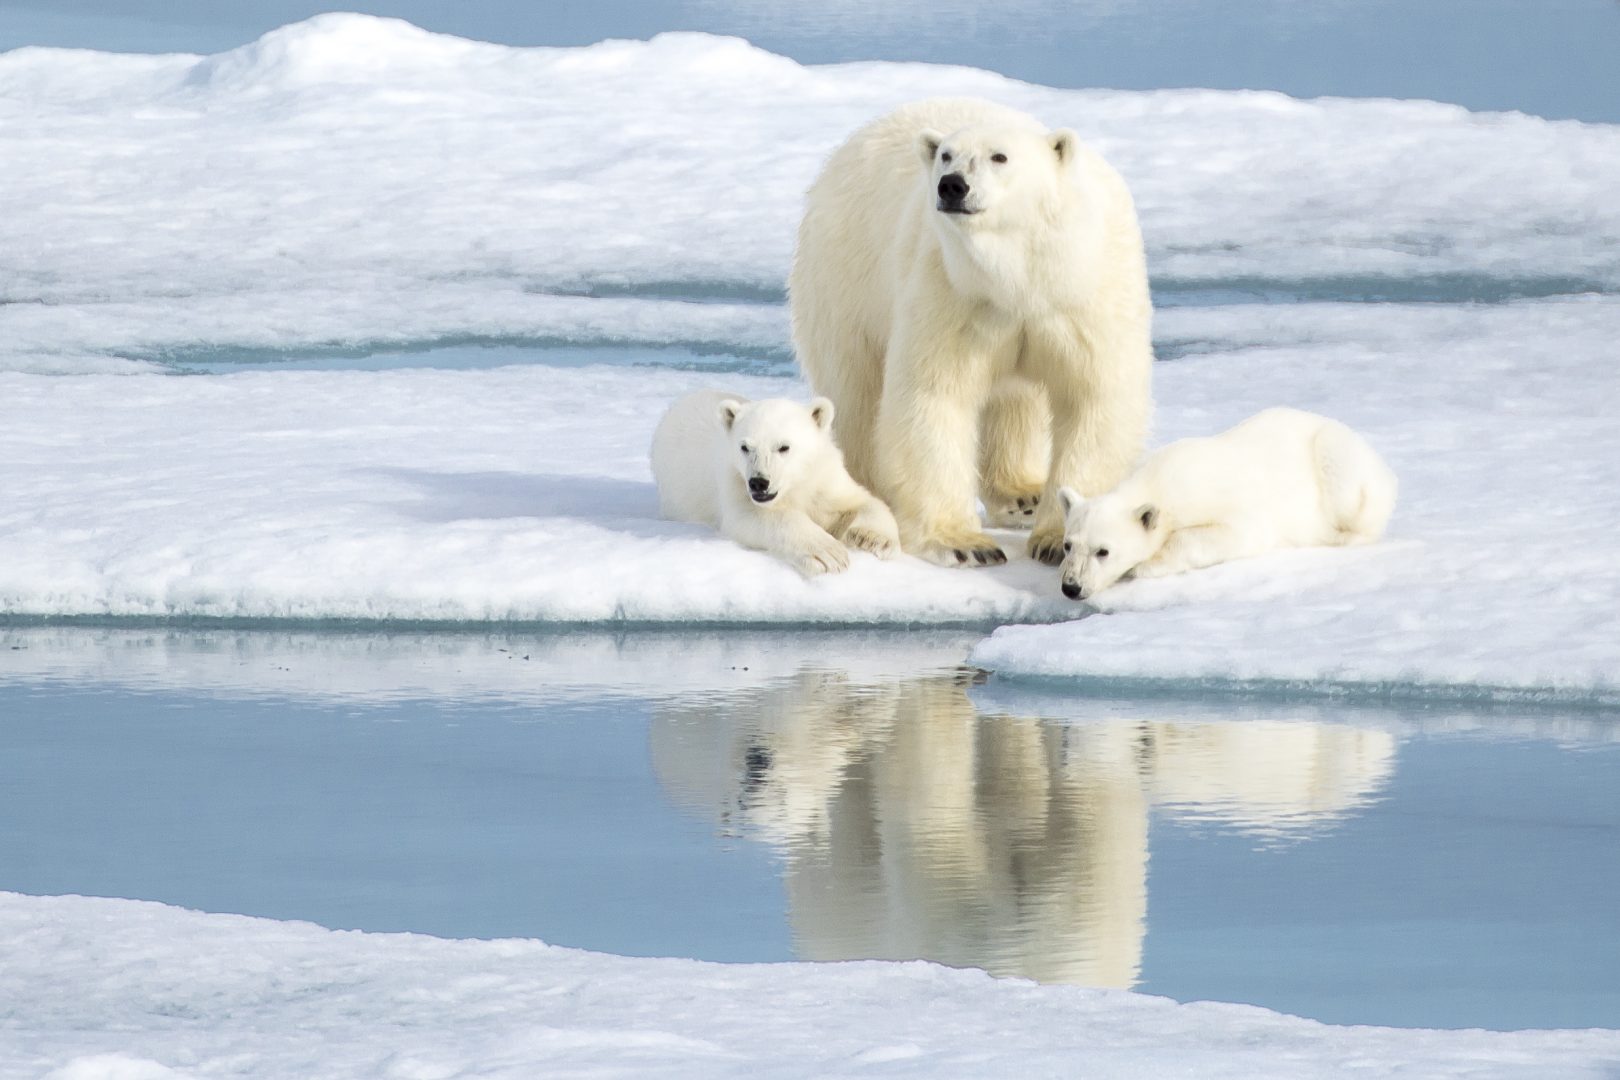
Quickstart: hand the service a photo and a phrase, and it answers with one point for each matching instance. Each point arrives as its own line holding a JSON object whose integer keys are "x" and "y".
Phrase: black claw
{"x": 961, "y": 556}
{"x": 979, "y": 557}
{"x": 1021, "y": 502}
{"x": 1029, "y": 513}
{"x": 998, "y": 557}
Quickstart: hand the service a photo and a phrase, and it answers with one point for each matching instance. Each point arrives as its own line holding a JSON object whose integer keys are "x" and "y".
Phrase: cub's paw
{"x": 1046, "y": 545}
{"x": 1008, "y": 511}
{"x": 961, "y": 549}
{"x": 822, "y": 556}
{"x": 883, "y": 545}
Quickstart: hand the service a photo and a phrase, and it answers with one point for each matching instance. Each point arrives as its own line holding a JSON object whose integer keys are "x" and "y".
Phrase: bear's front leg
{"x": 927, "y": 443}
{"x": 870, "y": 527}
{"x": 1192, "y": 549}
{"x": 1100, "y": 404}
{"x": 790, "y": 535}
{"x": 1015, "y": 437}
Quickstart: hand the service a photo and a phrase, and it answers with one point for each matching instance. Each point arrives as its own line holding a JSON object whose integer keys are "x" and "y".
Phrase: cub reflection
{"x": 912, "y": 826}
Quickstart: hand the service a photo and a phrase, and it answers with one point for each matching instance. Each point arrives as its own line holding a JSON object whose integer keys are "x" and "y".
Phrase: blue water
{"x": 1554, "y": 58}
{"x": 1417, "y": 867}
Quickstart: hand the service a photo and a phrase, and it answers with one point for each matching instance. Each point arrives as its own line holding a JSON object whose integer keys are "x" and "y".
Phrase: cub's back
{"x": 686, "y": 457}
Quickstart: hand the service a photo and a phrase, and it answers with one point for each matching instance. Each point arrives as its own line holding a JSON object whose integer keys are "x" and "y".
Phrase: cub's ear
{"x": 1068, "y": 498}
{"x": 928, "y": 141}
{"x": 821, "y": 411}
{"x": 1148, "y": 515}
{"x": 1065, "y": 144}
{"x": 729, "y": 409}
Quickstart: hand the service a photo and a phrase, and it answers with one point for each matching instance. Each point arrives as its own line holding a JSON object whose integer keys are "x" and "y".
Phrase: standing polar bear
{"x": 768, "y": 475}
{"x": 970, "y": 290}
{"x": 1283, "y": 478}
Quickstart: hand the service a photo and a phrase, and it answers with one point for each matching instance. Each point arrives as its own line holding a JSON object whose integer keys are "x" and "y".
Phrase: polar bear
{"x": 768, "y": 475}
{"x": 970, "y": 289}
{"x": 1282, "y": 478}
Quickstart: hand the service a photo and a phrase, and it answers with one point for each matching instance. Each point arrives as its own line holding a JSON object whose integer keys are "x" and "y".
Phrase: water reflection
{"x": 914, "y": 826}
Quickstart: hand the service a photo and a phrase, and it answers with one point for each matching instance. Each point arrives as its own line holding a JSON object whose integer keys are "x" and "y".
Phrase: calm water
{"x": 1554, "y": 58}
{"x": 767, "y": 797}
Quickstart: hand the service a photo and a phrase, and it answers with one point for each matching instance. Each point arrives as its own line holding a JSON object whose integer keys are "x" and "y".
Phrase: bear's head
{"x": 778, "y": 445}
{"x": 981, "y": 175}
{"x": 1104, "y": 539}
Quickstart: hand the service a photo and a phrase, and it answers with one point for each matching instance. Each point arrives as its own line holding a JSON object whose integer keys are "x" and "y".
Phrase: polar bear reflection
{"x": 913, "y": 827}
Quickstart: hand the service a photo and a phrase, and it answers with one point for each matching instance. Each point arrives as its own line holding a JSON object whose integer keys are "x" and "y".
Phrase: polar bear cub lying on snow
{"x": 768, "y": 475}
{"x": 1282, "y": 478}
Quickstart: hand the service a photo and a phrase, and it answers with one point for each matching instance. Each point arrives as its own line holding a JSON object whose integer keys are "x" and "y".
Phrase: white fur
{"x": 709, "y": 445}
{"x": 1283, "y": 478}
{"x": 1027, "y": 320}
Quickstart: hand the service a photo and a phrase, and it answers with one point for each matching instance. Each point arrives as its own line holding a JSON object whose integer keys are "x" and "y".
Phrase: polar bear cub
{"x": 768, "y": 475}
{"x": 1282, "y": 478}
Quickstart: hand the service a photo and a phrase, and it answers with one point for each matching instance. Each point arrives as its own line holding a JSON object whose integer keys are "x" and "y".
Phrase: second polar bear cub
{"x": 768, "y": 475}
{"x": 1282, "y": 478}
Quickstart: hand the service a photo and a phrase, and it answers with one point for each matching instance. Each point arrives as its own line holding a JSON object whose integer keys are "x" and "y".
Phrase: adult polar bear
{"x": 960, "y": 269}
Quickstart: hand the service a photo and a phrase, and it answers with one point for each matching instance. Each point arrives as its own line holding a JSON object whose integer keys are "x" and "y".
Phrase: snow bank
{"x": 356, "y": 180}
{"x": 1498, "y": 577}
{"x": 126, "y": 990}
{"x": 522, "y": 494}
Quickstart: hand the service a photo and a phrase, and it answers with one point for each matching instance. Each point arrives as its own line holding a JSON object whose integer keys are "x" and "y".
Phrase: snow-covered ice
{"x": 522, "y": 494}
{"x": 1498, "y": 577}
{"x": 353, "y": 180}
{"x": 121, "y": 990}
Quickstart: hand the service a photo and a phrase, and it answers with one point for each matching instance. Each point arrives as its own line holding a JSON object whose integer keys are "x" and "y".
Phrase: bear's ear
{"x": 1068, "y": 498}
{"x": 729, "y": 409}
{"x": 1064, "y": 143}
{"x": 928, "y": 141}
{"x": 1148, "y": 515}
{"x": 821, "y": 411}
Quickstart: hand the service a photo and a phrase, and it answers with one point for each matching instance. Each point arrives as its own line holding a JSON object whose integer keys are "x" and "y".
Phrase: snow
{"x": 1497, "y": 579}
{"x": 356, "y": 180}
{"x": 324, "y": 495}
{"x": 126, "y": 990}
{"x": 347, "y": 495}
{"x": 354, "y": 183}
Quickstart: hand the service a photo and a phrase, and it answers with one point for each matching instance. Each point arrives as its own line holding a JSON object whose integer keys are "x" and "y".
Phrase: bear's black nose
{"x": 758, "y": 485}
{"x": 1071, "y": 590}
{"x": 953, "y": 188}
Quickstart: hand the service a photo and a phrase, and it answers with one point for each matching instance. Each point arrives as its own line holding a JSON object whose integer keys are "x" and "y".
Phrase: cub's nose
{"x": 1071, "y": 590}
{"x": 953, "y": 188}
{"x": 758, "y": 485}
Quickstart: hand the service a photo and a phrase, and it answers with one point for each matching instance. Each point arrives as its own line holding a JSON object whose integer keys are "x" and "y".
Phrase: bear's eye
{"x": 1068, "y": 546}
{"x": 743, "y": 447}
{"x": 999, "y": 159}
{"x": 1102, "y": 553}
{"x": 782, "y": 449}
{"x": 945, "y": 158}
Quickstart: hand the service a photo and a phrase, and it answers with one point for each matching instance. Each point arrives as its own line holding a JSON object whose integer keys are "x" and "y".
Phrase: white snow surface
{"x": 1498, "y": 578}
{"x": 126, "y": 990}
{"x": 522, "y": 494}
{"x": 357, "y": 180}
{"x": 354, "y": 182}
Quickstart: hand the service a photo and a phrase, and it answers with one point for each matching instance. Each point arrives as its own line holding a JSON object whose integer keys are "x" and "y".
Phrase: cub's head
{"x": 983, "y": 175}
{"x": 777, "y": 445}
{"x": 1104, "y": 539}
